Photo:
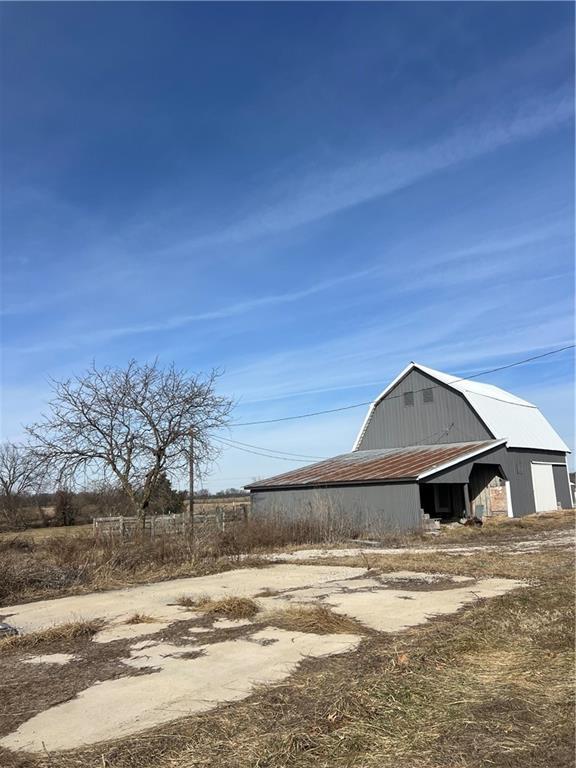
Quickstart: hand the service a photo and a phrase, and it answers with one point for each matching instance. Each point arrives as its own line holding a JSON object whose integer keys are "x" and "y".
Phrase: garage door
{"x": 544, "y": 490}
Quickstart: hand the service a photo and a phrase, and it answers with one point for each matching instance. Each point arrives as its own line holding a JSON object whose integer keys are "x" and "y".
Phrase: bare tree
{"x": 134, "y": 423}
{"x": 20, "y": 475}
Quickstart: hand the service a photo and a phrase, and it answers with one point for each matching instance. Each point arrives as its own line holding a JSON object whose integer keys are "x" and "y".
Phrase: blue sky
{"x": 307, "y": 196}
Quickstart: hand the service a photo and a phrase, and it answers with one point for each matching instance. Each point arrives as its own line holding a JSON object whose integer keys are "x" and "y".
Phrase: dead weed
{"x": 318, "y": 619}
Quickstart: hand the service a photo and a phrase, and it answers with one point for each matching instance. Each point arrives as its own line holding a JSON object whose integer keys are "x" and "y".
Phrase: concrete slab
{"x": 159, "y": 599}
{"x": 188, "y": 677}
{"x": 393, "y": 610}
{"x": 128, "y": 631}
{"x": 226, "y": 672}
{"x": 50, "y": 658}
{"x": 389, "y": 609}
{"x": 142, "y": 644}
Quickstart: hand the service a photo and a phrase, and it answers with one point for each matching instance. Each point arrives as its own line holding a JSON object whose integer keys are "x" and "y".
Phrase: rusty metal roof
{"x": 376, "y": 465}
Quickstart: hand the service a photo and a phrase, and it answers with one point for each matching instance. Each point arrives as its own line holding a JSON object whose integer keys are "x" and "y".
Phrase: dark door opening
{"x": 443, "y": 501}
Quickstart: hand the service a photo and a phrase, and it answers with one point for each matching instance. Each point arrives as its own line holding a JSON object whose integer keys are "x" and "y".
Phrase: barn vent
{"x": 428, "y": 395}
{"x": 408, "y": 398}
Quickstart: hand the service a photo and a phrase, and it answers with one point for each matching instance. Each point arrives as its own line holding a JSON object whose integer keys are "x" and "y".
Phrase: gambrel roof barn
{"x": 432, "y": 446}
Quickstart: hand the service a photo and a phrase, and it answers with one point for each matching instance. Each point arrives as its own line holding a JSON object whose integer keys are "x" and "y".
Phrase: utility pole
{"x": 190, "y": 520}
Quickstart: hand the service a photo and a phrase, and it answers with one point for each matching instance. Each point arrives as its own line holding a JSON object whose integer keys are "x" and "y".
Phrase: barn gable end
{"x": 420, "y": 410}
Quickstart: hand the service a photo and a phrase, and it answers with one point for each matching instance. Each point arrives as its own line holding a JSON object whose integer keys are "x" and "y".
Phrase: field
{"x": 487, "y": 680}
{"x": 203, "y": 506}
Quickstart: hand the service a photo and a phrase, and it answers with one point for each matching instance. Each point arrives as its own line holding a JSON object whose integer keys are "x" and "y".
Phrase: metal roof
{"x": 507, "y": 417}
{"x": 378, "y": 465}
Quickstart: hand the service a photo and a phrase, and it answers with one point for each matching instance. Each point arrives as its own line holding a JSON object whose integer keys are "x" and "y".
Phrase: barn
{"x": 432, "y": 447}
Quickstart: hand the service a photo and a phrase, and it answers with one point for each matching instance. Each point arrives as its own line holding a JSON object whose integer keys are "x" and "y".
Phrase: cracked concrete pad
{"x": 388, "y": 609}
{"x": 50, "y": 658}
{"x": 159, "y": 599}
{"x": 392, "y": 610}
{"x": 225, "y": 672}
{"x": 128, "y": 631}
{"x": 429, "y": 578}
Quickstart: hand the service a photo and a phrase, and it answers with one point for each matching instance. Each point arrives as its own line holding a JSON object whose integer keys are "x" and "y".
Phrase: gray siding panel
{"x": 447, "y": 419}
{"x": 517, "y": 466}
{"x": 519, "y": 471}
{"x": 367, "y": 509}
{"x": 562, "y": 486}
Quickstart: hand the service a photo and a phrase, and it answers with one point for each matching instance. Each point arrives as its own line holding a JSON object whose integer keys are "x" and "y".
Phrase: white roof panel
{"x": 508, "y": 417}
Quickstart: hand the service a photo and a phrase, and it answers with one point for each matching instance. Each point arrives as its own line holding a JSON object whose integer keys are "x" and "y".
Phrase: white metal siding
{"x": 544, "y": 488}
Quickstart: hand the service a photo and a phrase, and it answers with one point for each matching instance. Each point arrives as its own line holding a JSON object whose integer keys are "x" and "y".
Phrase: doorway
{"x": 443, "y": 501}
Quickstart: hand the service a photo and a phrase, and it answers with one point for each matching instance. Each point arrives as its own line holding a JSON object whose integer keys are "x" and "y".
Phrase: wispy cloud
{"x": 390, "y": 266}
{"x": 319, "y": 195}
{"x": 180, "y": 321}
{"x": 465, "y": 340}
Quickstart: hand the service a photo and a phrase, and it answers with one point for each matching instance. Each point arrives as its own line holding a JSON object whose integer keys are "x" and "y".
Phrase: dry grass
{"x": 54, "y": 562}
{"x": 318, "y": 619}
{"x": 61, "y": 633}
{"x": 187, "y": 601}
{"x": 504, "y": 528}
{"x": 37, "y": 534}
{"x": 33, "y": 567}
{"x": 140, "y": 618}
{"x": 230, "y": 607}
{"x": 488, "y": 686}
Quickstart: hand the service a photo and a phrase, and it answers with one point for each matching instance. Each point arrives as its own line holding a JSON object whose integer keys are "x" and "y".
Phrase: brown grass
{"x": 504, "y": 528}
{"x": 60, "y": 633}
{"x": 34, "y": 567}
{"x": 230, "y": 607}
{"x": 140, "y": 618}
{"x": 187, "y": 601}
{"x": 318, "y": 619}
{"x": 488, "y": 686}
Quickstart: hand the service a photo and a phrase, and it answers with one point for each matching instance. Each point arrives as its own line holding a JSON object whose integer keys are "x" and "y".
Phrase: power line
{"x": 520, "y": 362}
{"x": 300, "y": 416}
{"x": 393, "y": 397}
{"x": 271, "y": 450}
{"x": 258, "y": 453}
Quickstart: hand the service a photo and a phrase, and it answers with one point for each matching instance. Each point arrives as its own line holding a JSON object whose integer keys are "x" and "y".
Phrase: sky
{"x": 307, "y": 196}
